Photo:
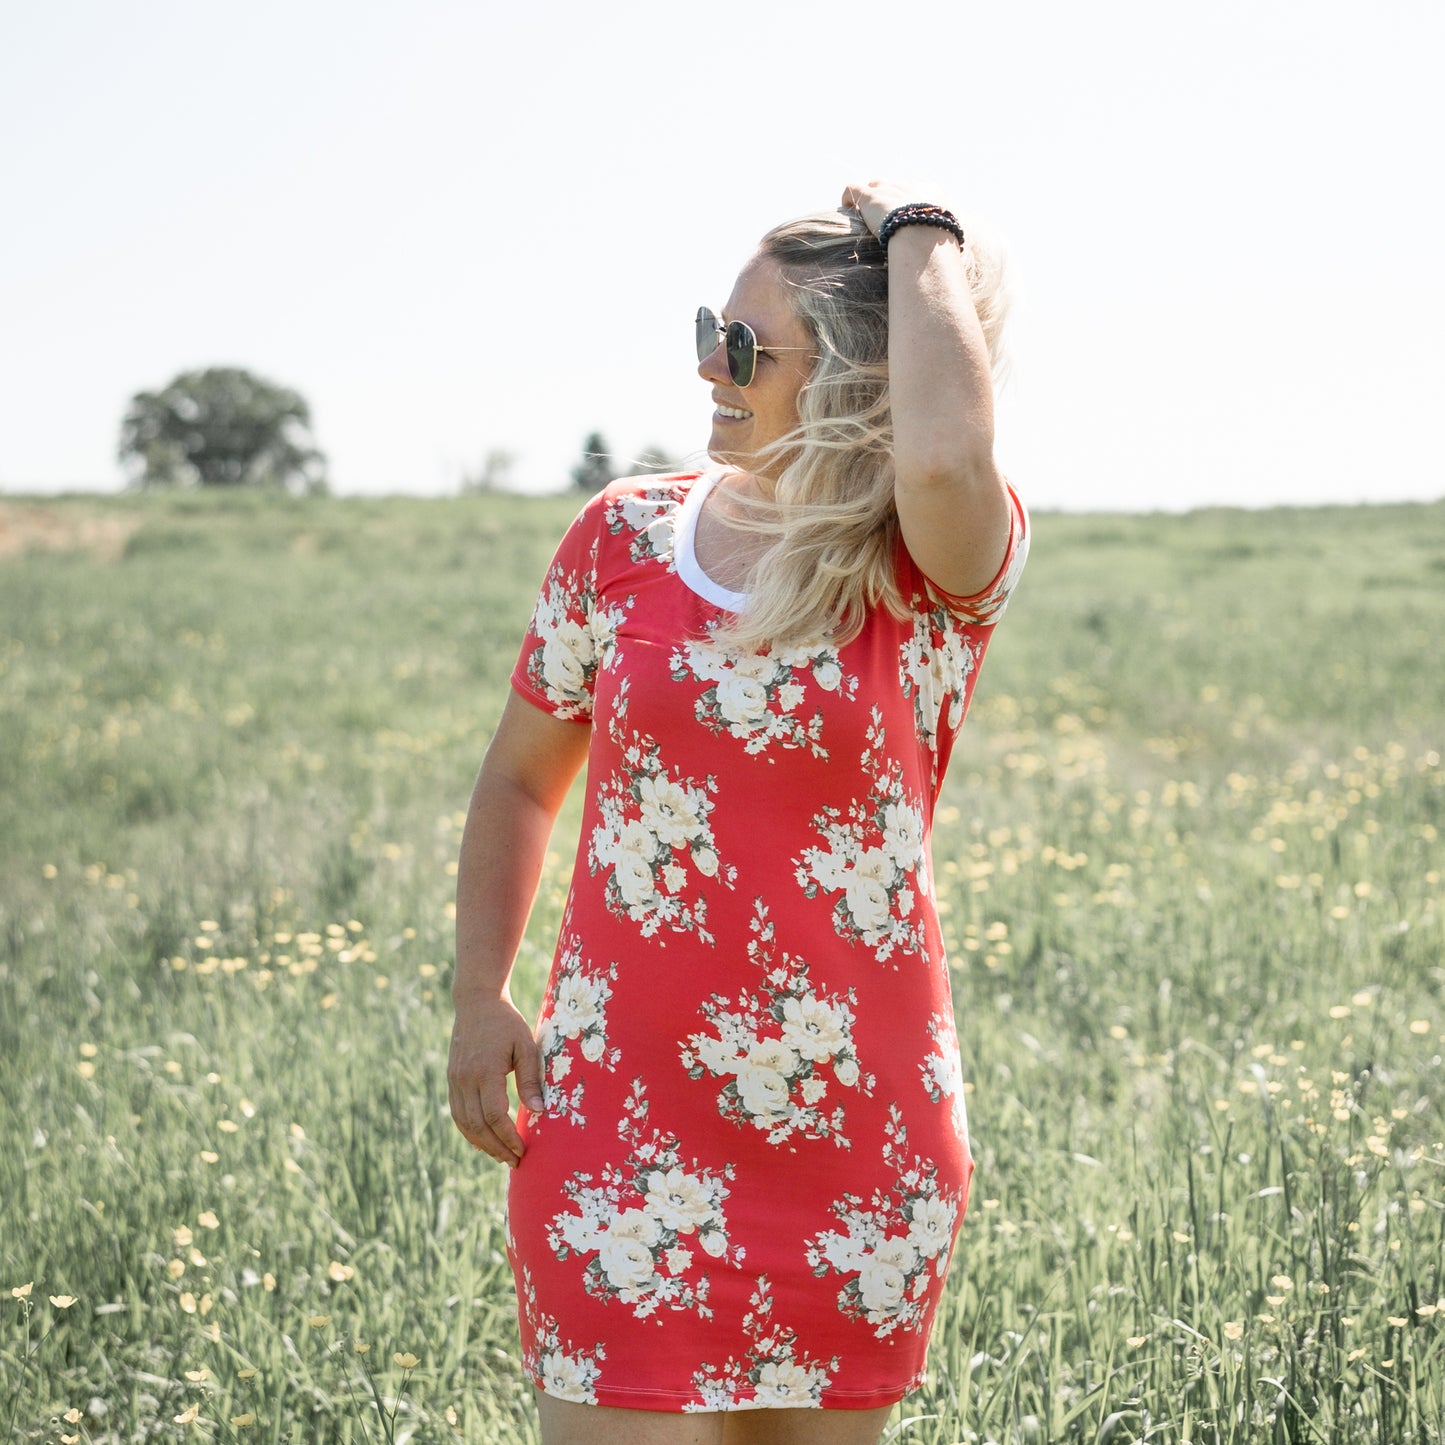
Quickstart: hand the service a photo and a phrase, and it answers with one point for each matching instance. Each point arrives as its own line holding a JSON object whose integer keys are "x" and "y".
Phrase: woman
{"x": 741, "y": 1157}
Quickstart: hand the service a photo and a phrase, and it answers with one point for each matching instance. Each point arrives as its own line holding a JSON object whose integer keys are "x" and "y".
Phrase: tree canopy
{"x": 222, "y": 427}
{"x": 598, "y": 466}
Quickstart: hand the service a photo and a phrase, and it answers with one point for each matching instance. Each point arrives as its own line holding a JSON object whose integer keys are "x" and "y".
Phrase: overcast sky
{"x": 458, "y": 227}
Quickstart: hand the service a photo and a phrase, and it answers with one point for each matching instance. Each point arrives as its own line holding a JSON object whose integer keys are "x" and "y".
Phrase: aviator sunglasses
{"x": 740, "y": 342}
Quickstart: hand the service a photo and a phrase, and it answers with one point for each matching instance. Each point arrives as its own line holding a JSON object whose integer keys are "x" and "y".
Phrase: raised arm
{"x": 953, "y": 507}
{"x": 524, "y": 778}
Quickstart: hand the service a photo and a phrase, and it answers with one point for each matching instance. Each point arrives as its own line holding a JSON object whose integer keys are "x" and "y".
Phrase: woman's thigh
{"x": 805, "y": 1427}
{"x": 567, "y": 1424}
{"x": 564, "y": 1423}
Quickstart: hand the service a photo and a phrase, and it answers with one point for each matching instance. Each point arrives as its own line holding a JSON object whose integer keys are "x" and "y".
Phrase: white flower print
{"x": 902, "y": 827}
{"x": 883, "y": 1277}
{"x": 875, "y": 856}
{"x": 624, "y": 1253}
{"x": 651, "y": 517}
{"x": 890, "y": 1245}
{"x": 775, "y": 1374}
{"x": 576, "y": 1015}
{"x": 930, "y": 1227}
{"x": 935, "y": 664}
{"x": 773, "y": 1046}
{"x": 762, "y": 1081}
{"x": 943, "y": 1071}
{"x": 671, "y": 813}
{"x": 637, "y": 1221}
{"x": 567, "y": 652}
{"x": 815, "y": 1029}
{"x": 577, "y": 637}
{"x": 679, "y": 1201}
{"x": 652, "y": 825}
{"x": 564, "y": 1372}
{"x": 754, "y": 696}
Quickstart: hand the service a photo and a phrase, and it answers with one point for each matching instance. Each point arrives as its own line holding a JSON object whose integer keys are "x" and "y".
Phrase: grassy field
{"x": 1191, "y": 864}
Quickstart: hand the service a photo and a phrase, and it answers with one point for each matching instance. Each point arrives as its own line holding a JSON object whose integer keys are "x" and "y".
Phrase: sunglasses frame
{"x": 738, "y": 340}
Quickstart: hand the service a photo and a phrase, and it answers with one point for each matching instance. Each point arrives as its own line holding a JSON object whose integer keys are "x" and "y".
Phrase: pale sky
{"x": 455, "y": 227}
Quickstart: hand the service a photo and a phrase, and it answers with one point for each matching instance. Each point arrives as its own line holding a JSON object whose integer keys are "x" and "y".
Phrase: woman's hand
{"x": 874, "y": 199}
{"x": 490, "y": 1040}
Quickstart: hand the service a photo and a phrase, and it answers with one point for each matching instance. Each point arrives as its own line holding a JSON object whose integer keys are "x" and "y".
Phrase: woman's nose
{"x": 714, "y": 367}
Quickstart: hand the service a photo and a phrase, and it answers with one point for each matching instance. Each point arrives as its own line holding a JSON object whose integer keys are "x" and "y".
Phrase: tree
{"x": 657, "y": 459}
{"x": 495, "y": 474}
{"x": 222, "y": 427}
{"x": 596, "y": 468}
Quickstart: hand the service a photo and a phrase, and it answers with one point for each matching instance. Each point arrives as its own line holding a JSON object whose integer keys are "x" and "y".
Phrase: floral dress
{"x": 753, "y": 1161}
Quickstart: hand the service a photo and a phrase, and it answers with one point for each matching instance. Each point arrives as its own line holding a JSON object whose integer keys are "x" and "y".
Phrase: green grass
{"x": 1190, "y": 861}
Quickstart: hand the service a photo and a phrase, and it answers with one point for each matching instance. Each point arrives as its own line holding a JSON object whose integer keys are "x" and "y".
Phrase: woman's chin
{"x": 723, "y": 454}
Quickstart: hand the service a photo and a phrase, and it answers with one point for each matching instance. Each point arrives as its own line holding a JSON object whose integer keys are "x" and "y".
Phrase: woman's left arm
{"x": 953, "y": 507}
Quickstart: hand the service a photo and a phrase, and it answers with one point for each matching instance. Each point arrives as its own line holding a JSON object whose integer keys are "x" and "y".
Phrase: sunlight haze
{"x": 463, "y": 227}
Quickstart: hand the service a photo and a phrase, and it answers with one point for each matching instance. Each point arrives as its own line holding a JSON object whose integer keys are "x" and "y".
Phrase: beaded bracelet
{"x": 919, "y": 213}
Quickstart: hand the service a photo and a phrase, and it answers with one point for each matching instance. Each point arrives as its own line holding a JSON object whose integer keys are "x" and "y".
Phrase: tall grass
{"x": 1190, "y": 863}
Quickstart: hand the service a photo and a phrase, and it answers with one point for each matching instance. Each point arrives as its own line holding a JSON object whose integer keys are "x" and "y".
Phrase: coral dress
{"x": 754, "y": 1158}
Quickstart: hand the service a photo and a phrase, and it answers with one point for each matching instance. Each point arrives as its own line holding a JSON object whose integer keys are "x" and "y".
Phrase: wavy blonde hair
{"x": 833, "y": 517}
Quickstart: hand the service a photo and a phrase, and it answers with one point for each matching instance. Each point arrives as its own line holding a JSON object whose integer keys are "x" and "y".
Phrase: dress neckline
{"x": 684, "y": 549}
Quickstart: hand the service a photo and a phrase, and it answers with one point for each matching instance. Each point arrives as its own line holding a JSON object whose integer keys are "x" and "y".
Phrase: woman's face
{"x": 747, "y": 420}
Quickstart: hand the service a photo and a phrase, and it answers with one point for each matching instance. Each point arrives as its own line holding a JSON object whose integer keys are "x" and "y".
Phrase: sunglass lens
{"x": 742, "y": 348}
{"x": 707, "y": 330}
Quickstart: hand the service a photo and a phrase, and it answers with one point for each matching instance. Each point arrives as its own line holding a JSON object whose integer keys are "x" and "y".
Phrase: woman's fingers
{"x": 868, "y": 198}
{"x": 528, "y": 1069}
{"x": 469, "y": 1112}
{"x": 484, "y": 1051}
{"x": 874, "y": 199}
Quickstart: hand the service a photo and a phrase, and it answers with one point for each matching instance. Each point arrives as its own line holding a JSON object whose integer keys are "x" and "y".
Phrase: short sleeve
{"x": 557, "y": 664}
{"x": 986, "y": 607}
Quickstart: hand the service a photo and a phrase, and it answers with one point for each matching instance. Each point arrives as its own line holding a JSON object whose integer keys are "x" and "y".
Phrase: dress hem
{"x": 618, "y": 1397}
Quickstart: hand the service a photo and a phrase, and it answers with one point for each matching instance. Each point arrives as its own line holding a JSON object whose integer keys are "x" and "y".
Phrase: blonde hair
{"x": 834, "y": 557}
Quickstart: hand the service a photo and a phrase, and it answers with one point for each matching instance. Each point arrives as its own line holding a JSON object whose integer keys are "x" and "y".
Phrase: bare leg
{"x": 564, "y": 1423}
{"x": 805, "y": 1427}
